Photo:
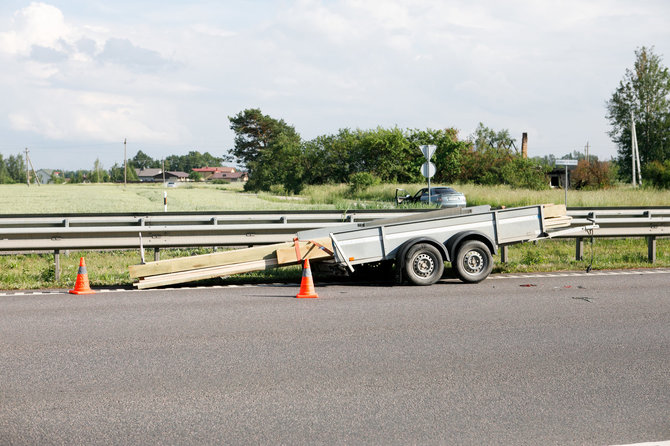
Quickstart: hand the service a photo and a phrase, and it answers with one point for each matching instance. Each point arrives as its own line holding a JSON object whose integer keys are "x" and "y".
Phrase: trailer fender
{"x": 402, "y": 250}
{"x": 405, "y": 247}
{"x": 455, "y": 241}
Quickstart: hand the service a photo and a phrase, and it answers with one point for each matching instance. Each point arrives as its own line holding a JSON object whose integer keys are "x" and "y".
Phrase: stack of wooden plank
{"x": 555, "y": 216}
{"x": 218, "y": 264}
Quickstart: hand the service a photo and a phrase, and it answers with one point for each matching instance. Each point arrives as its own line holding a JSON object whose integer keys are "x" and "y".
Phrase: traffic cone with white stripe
{"x": 82, "y": 286}
{"x": 307, "y": 283}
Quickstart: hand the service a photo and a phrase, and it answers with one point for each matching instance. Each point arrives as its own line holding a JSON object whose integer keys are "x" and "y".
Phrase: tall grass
{"x": 101, "y": 198}
{"x": 496, "y": 196}
{"x": 91, "y": 198}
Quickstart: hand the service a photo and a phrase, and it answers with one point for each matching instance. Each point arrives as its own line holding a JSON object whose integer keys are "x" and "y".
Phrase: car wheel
{"x": 423, "y": 264}
{"x": 473, "y": 262}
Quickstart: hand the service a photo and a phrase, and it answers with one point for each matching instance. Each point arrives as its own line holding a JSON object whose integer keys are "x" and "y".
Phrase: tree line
{"x": 274, "y": 154}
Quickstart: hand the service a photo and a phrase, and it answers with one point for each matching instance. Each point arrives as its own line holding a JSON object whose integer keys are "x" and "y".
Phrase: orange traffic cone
{"x": 306, "y": 284}
{"x": 81, "y": 286}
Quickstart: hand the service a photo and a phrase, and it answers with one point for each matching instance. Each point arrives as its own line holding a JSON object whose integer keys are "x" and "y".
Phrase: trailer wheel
{"x": 474, "y": 262}
{"x": 423, "y": 264}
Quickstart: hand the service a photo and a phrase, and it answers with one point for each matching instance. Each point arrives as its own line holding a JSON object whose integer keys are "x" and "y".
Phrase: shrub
{"x": 361, "y": 181}
{"x": 590, "y": 175}
{"x": 657, "y": 174}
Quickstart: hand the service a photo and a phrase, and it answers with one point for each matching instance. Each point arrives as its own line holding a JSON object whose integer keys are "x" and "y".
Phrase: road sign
{"x": 566, "y": 163}
{"x": 428, "y": 152}
{"x": 428, "y": 169}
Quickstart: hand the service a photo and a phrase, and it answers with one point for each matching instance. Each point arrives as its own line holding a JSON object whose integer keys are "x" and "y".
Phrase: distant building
{"x": 149, "y": 175}
{"x": 47, "y": 176}
{"x": 234, "y": 177}
{"x": 228, "y": 174}
{"x": 156, "y": 175}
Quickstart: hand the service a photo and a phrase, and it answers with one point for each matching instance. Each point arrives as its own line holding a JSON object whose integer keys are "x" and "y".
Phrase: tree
{"x": 98, "y": 174}
{"x": 644, "y": 92}
{"x": 484, "y": 139}
{"x": 448, "y": 157}
{"x": 16, "y": 168}
{"x": 270, "y": 150}
{"x": 190, "y": 161}
{"x": 4, "y": 175}
{"x": 143, "y": 161}
{"x": 492, "y": 160}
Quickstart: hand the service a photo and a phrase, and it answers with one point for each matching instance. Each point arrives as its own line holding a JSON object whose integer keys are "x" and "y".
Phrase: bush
{"x": 498, "y": 166}
{"x": 360, "y": 181}
{"x": 591, "y": 175}
{"x": 657, "y": 174}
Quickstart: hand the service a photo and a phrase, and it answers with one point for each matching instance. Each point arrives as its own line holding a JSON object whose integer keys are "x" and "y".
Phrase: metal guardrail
{"x": 163, "y": 230}
{"x": 171, "y": 230}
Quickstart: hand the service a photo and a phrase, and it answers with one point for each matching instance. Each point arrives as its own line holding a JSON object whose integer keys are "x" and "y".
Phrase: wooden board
{"x": 557, "y": 222}
{"x": 207, "y": 260}
{"x": 204, "y": 273}
{"x": 308, "y": 250}
{"x": 554, "y": 210}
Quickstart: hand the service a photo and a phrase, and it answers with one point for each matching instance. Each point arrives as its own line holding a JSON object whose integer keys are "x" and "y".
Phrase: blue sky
{"x": 79, "y": 77}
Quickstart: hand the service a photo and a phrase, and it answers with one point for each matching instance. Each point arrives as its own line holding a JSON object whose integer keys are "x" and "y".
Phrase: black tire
{"x": 423, "y": 264}
{"x": 473, "y": 262}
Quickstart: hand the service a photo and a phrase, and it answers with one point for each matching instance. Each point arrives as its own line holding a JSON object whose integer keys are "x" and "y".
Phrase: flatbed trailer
{"x": 418, "y": 245}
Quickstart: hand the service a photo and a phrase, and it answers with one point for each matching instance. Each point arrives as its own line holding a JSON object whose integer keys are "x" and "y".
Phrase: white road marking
{"x": 493, "y": 277}
{"x": 653, "y": 443}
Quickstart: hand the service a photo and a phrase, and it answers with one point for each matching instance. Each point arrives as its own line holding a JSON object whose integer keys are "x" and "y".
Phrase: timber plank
{"x": 206, "y": 260}
{"x": 204, "y": 273}
{"x": 308, "y": 250}
{"x": 554, "y": 210}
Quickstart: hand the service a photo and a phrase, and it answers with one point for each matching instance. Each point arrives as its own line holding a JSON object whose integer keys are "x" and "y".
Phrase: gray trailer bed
{"x": 421, "y": 244}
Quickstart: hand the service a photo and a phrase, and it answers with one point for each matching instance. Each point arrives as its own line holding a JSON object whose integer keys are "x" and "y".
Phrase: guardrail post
{"x": 504, "y": 254}
{"x": 579, "y": 248}
{"x": 651, "y": 248}
{"x": 157, "y": 254}
{"x": 57, "y": 264}
{"x": 215, "y": 222}
{"x": 66, "y": 223}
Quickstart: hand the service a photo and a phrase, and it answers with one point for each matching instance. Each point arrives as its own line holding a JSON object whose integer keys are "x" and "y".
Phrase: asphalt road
{"x": 529, "y": 360}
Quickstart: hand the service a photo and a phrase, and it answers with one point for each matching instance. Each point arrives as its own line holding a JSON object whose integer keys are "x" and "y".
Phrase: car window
{"x": 421, "y": 192}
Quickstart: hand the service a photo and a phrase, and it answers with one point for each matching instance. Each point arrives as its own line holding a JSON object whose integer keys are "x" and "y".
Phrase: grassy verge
{"x": 383, "y": 196}
{"x": 110, "y": 268}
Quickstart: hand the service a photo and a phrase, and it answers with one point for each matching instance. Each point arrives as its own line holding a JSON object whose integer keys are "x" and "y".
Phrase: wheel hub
{"x": 424, "y": 265}
{"x": 474, "y": 262}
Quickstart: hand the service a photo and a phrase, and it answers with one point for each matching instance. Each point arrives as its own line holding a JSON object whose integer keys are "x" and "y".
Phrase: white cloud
{"x": 39, "y": 24}
{"x": 95, "y": 116}
{"x": 172, "y": 73}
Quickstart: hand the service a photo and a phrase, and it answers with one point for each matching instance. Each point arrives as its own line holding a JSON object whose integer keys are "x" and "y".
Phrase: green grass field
{"x": 111, "y": 268}
{"x": 100, "y": 198}
{"x": 104, "y": 198}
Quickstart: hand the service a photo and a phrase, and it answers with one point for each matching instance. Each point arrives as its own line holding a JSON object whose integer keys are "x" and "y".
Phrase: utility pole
{"x": 125, "y": 163}
{"x": 587, "y": 152}
{"x": 635, "y": 153}
{"x": 27, "y": 171}
{"x": 29, "y": 162}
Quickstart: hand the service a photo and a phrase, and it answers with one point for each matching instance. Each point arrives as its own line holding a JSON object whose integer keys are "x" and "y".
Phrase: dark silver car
{"x": 444, "y": 197}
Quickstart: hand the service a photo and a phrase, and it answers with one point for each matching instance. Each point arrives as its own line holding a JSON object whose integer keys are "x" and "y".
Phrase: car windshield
{"x": 436, "y": 191}
{"x": 443, "y": 190}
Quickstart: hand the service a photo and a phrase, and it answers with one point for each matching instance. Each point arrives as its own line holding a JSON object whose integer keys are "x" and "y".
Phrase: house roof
{"x": 215, "y": 169}
{"x": 177, "y": 174}
{"x": 148, "y": 172}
